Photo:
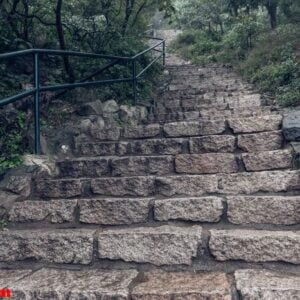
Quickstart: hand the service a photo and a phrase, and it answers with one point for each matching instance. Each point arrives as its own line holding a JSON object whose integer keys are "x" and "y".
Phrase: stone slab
{"x": 182, "y": 285}
{"x": 205, "y": 127}
{"x": 53, "y": 246}
{"x": 213, "y": 143}
{"x": 255, "y": 245}
{"x": 202, "y": 209}
{"x": 58, "y": 188}
{"x": 56, "y": 211}
{"x": 114, "y": 211}
{"x": 268, "y": 160}
{"x": 267, "y": 285}
{"x": 265, "y": 141}
{"x": 207, "y": 163}
{"x": 141, "y": 131}
{"x": 279, "y": 210}
{"x": 142, "y": 165}
{"x": 85, "y": 284}
{"x": 125, "y": 186}
{"x": 254, "y": 182}
{"x": 164, "y": 245}
{"x": 189, "y": 185}
{"x": 95, "y": 167}
{"x": 255, "y": 124}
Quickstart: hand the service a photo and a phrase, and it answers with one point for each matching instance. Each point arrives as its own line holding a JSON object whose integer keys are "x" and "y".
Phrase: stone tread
{"x": 126, "y": 284}
{"x": 190, "y": 185}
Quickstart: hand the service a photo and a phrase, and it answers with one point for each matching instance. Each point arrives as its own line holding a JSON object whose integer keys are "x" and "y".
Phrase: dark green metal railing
{"x": 38, "y": 88}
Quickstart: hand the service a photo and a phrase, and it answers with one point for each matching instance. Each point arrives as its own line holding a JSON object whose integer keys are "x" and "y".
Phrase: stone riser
{"x": 214, "y": 211}
{"x": 174, "y": 245}
{"x": 186, "y": 185}
{"x": 151, "y": 285}
{"x": 257, "y": 142}
{"x": 207, "y": 163}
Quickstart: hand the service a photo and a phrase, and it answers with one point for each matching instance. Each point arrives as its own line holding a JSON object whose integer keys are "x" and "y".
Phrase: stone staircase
{"x": 200, "y": 202}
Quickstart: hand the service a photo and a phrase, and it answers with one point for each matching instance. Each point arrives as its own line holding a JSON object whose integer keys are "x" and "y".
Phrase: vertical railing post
{"x": 164, "y": 53}
{"x": 37, "y": 129}
{"x": 134, "y": 81}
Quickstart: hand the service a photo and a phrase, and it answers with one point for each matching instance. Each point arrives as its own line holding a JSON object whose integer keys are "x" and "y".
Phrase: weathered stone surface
{"x": 17, "y": 184}
{"x": 182, "y": 285}
{"x": 56, "y": 211}
{"x": 109, "y": 133}
{"x": 267, "y": 181}
{"x": 126, "y": 186}
{"x": 256, "y": 142}
{"x": 7, "y": 201}
{"x": 255, "y": 124}
{"x": 142, "y": 165}
{"x": 141, "y": 131}
{"x": 154, "y": 147}
{"x": 54, "y": 246}
{"x": 190, "y": 185}
{"x": 207, "y": 163}
{"x": 255, "y": 245}
{"x": 114, "y": 211}
{"x": 268, "y": 160}
{"x": 96, "y": 149}
{"x": 110, "y": 106}
{"x": 85, "y": 284}
{"x": 90, "y": 108}
{"x": 204, "y": 127}
{"x": 165, "y": 245}
{"x": 291, "y": 126}
{"x": 264, "y": 209}
{"x": 213, "y": 143}
{"x": 92, "y": 167}
{"x": 204, "y": 209}
{"x": 43, "y": 163}
{"x": 10, "y": 277}
{"x": 267, "y": 285}
{"x": 66, "y": 188}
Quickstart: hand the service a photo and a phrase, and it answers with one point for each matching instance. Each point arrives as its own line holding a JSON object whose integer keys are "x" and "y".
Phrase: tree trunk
{"x": 272, "y": 6}
{"x": 62, "y": 41}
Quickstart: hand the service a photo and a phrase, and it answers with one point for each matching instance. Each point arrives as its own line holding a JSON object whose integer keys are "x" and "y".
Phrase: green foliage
{"x": 13, "y": 143}
{"x": 3, "y": 224}
{"x": 241, "y": 35}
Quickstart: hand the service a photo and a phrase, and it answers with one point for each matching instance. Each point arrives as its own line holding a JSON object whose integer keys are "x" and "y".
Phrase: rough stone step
{"x": 117, "y": 284}
{"x": 241, "y": 210}
{"x": 255, "y": 245}
{"x": 161, "y": 146}
{"x": 266, "y": 284}
{"x": 105, "y": 211}
{"x": 189, "y": 185}
{"x": 210, "y": 114}
{"x": 164, "y": 245}
{"x": 170, "y": 146}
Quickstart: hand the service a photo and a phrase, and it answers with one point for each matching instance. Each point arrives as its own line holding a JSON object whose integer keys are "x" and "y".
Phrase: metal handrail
{"x": 38, "y": 88}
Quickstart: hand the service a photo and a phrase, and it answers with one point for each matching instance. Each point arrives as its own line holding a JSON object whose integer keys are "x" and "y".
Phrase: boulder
{"x": 110, "y": 106}
{"x": 291, "y": 126}
{"x": 90, "y": 108}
